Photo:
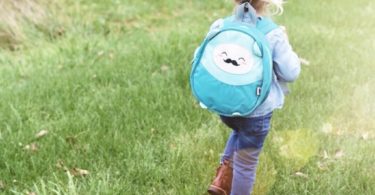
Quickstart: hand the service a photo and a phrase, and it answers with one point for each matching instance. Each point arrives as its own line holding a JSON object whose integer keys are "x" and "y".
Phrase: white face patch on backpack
{"x": 233, "y": 58}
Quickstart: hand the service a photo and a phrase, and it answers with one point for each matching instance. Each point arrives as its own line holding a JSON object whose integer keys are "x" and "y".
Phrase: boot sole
{"x": 214, "y": 190}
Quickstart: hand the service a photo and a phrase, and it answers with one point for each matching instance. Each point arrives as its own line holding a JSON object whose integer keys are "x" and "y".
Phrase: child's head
{"x": 263, "y": 7}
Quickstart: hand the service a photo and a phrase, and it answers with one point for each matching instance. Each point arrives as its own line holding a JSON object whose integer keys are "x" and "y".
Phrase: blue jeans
{"x": 243, "y": 148}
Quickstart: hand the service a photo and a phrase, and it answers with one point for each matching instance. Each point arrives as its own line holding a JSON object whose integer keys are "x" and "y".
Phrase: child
{"x": 236, "y": 173}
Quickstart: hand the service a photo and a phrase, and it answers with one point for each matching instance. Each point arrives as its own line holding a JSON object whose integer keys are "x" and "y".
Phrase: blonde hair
{"x": 264, "y": 7}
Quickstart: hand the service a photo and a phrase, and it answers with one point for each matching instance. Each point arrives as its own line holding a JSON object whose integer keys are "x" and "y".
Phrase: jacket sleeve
{"x": 287, "y": 65}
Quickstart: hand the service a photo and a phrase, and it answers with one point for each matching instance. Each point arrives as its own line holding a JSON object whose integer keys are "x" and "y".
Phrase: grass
{"x": 112, "y": 91}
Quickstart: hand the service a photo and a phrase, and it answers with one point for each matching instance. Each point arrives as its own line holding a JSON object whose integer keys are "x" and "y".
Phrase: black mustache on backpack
{"x": 230, "y": 61}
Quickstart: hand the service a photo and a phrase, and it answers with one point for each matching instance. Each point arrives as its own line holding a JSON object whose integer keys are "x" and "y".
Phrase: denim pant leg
{"x": 230, "y": 147}
{"x": 244, "y": 170}
{"x": 245, "y": 144}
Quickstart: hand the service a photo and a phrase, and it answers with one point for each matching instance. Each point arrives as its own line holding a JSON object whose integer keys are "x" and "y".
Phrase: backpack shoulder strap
{"x": 229, "y": 18}
{"x": 266, "y": 25}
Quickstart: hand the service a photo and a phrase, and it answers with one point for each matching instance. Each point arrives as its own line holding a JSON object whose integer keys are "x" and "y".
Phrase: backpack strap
{"x": 266, "y": 25}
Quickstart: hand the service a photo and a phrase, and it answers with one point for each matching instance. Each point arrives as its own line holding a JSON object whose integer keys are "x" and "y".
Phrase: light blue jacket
{"x": 286, "y": 68}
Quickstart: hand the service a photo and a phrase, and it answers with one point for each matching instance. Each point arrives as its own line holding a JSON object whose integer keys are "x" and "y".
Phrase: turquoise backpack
{"x": 232, "y": 69}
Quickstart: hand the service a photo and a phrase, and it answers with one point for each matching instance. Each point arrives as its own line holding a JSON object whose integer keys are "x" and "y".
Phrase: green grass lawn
{"x": 112, "y": 91}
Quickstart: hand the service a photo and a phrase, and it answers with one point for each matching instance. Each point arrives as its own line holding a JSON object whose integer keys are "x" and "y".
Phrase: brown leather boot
{"x": 223, "y": 182}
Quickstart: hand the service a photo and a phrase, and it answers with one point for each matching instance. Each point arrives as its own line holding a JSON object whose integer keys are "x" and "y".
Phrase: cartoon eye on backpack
{"x": 232, "y": 69}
